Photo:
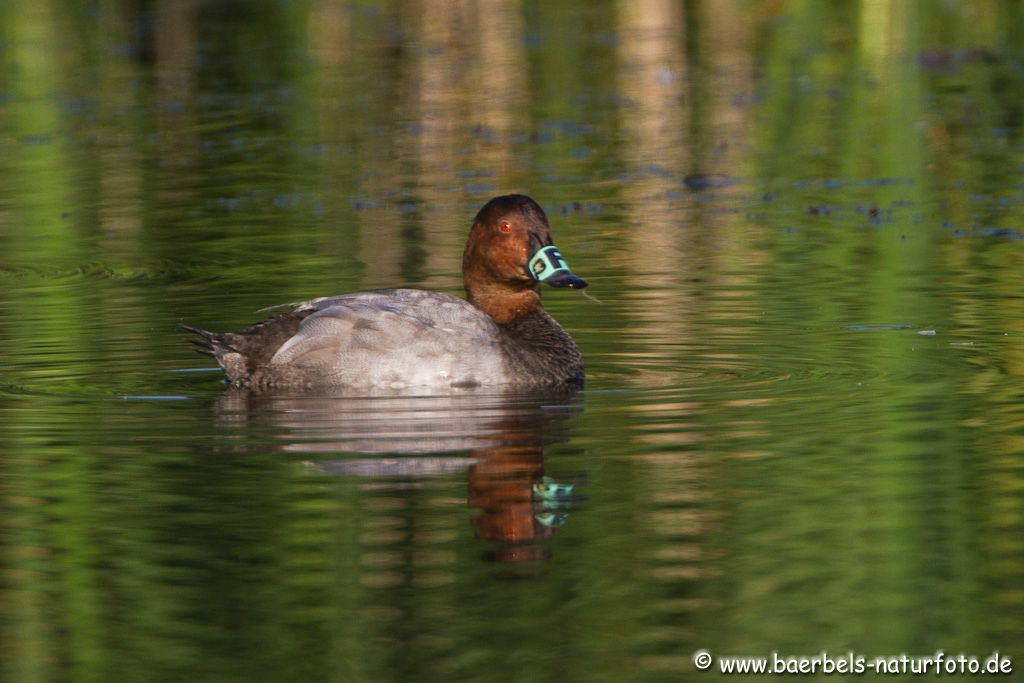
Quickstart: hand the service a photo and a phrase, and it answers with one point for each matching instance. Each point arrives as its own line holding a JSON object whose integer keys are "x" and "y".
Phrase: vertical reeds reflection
{"x": 682, "y": 130}
{"x": 652, "y": 84}
{"x": 453, "y": 98}
{"x": 176, "y": 56}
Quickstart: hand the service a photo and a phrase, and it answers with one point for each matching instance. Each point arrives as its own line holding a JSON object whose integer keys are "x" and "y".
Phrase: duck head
{"x": 508, "y": 255}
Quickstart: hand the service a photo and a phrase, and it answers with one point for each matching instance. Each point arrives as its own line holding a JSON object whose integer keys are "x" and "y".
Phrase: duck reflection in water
{"x": 403, "y": 440}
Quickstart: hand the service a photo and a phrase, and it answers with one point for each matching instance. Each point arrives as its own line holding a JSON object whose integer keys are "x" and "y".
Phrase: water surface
{"x": 802, "y": 423}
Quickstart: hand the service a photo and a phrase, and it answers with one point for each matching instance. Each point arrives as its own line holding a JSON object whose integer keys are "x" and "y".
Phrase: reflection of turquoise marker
{"x": 547, "y": 263}
{"x": 549, "y": 490}
{"x": 551, "y": 519}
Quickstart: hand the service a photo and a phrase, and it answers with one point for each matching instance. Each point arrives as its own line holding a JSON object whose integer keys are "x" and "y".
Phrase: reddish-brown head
{"x": 509, "y": 235}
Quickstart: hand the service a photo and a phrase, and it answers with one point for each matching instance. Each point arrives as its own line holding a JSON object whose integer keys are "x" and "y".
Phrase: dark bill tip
{"x": 567, "y": 280}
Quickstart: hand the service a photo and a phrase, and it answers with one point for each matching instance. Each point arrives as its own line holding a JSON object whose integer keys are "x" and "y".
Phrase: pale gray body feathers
{"x": 393, "y": 338}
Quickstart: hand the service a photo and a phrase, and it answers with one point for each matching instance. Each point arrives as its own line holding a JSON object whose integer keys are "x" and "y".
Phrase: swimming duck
{"x": 499, "y": 335}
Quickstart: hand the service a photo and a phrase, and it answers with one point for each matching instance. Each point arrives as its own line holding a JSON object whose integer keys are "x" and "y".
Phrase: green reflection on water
{"x": 771, "y": 200}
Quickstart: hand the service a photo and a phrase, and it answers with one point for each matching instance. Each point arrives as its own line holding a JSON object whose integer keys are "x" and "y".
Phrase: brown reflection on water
{"x": 119, "y": 154}
{"x": 682, "y": 128}
{"x": 457, "y": 99}
{"x": 681, "y": 121}
{"x": 176, "y": 54}
{"x": 401, "y": 442}
{"x": 501, "y": 486}
{"x": 466, "y": 86}
{"x": 330, "y": 33}
{"x": 653, "y": 83}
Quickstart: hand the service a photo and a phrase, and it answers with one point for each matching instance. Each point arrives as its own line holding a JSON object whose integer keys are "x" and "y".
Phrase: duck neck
{"x": 503, "y": 304}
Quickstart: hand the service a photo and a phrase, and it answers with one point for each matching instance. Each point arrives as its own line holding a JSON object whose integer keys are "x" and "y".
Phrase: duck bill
{"x": 567, "y": 280}
{"x": 548, "y": 266}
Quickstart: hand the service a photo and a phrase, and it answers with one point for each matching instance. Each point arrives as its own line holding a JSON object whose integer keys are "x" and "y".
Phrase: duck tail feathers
{"x": 208, "y": 343}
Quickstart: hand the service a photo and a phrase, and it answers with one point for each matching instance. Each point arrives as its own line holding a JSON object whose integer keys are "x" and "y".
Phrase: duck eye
{"x": 505, "y": 226}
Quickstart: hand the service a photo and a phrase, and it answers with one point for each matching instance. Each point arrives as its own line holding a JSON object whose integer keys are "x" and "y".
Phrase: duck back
{"x": 386, "y": 338}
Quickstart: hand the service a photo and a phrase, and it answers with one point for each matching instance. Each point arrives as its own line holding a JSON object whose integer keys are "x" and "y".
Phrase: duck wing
{"x": 390, "y": 338}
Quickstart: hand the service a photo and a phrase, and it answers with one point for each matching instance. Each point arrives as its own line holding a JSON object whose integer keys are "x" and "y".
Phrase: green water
{"x": 803, "y": 422}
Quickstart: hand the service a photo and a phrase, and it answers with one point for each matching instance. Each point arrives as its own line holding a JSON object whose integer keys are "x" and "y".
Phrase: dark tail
{"x": 209, "y": 343}
{"x": 245, "y": 354}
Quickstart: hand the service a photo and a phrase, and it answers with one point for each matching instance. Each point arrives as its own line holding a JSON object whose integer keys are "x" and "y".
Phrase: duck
{"x": 498, "y": 336}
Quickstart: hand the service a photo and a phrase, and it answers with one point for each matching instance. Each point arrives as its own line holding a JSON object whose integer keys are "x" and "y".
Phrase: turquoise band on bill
{"x": 547, "y": 263}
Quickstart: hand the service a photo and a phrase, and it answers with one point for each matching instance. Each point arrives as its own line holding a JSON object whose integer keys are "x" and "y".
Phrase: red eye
{"x": 506, "y": 226}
